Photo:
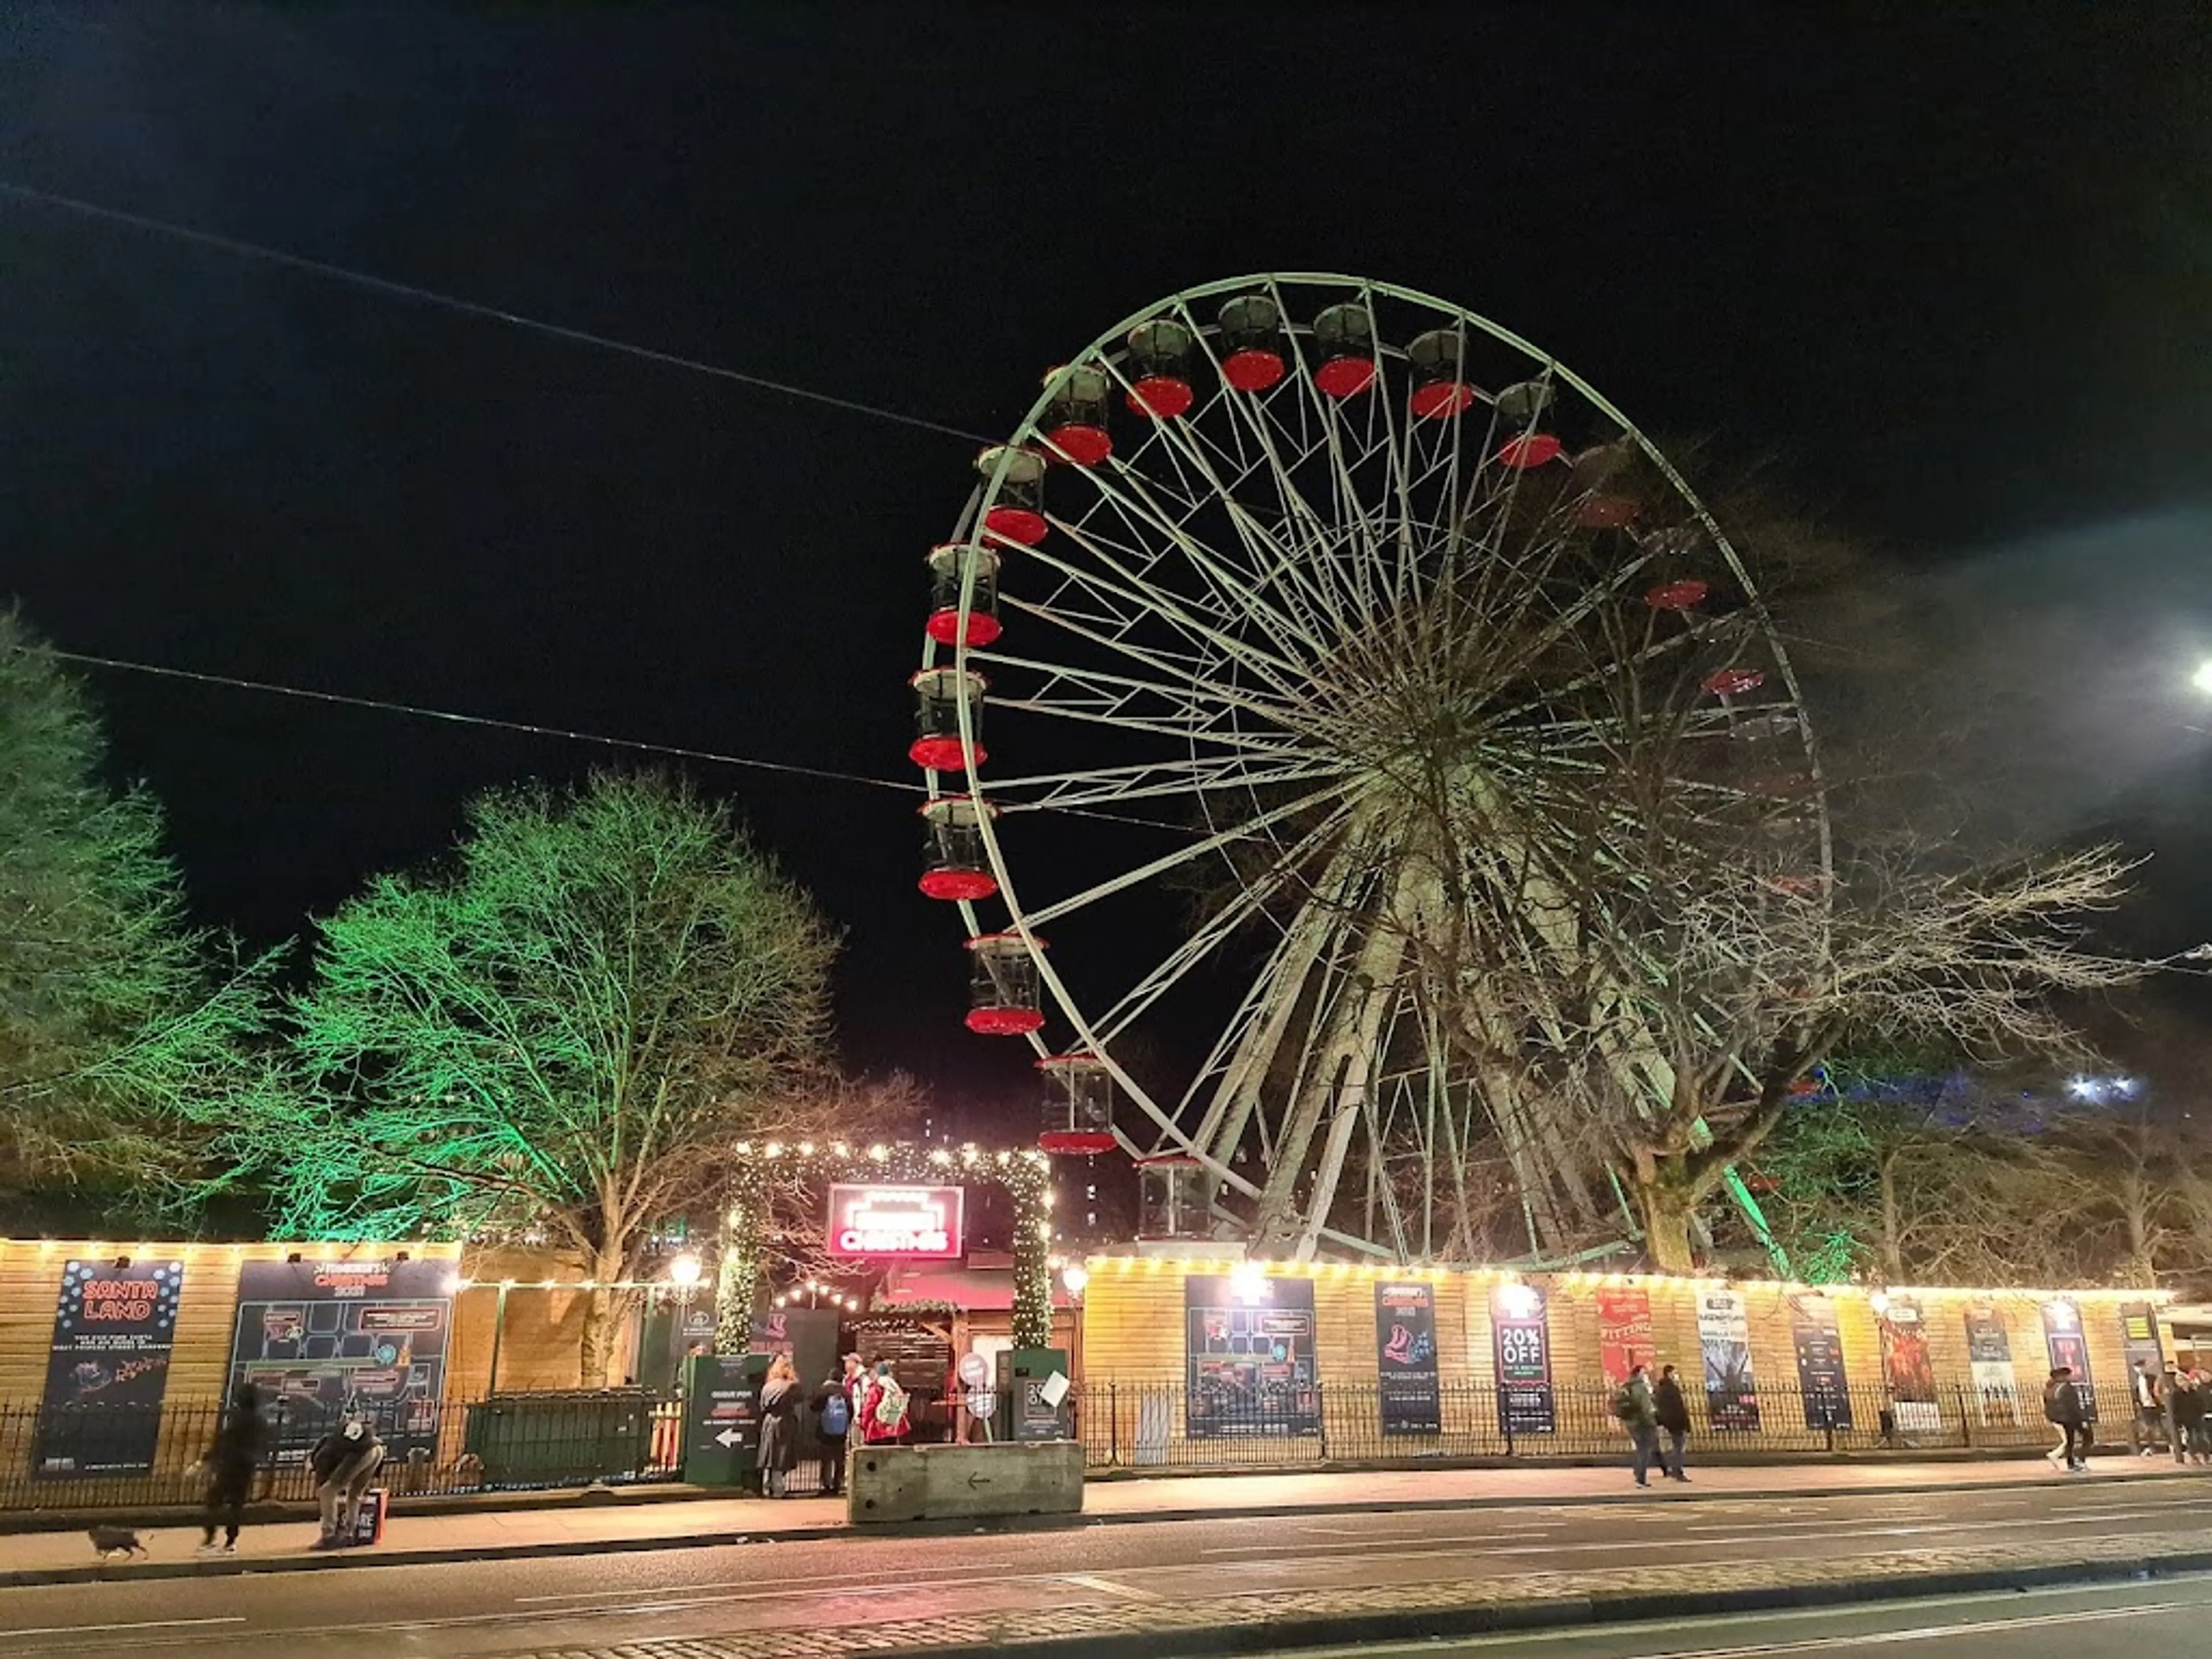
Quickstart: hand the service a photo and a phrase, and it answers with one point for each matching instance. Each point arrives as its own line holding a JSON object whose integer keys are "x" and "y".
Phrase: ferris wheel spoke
{"x": 1282, "y": 673}
{"x": 1209, "y": 775}
{"x": 1137, "y": 499}
{"x": 1244, "y": 905}
{"x": 1182, "y": 855}
{"x": 1191, "y": 695}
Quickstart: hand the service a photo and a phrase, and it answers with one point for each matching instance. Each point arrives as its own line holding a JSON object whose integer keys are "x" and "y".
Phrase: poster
{"x": 1907, "y": 1367}
{"x": 1248, "y": 1354}
{"x": 107, "y": 1369}
{"x": 2064, "y": 1341}
{"x": 1820, "y": 1379}
{"x": 328, "y": 1340}
{"x": 1989, "y": 1357}
{"x": 2139, "y": 1336}
{"x": 1405, "y": 1358}
{"x": 1624, "y": 1331}
{"x": 1521, "y": 1347}
{"x": 1724, "y": 1344}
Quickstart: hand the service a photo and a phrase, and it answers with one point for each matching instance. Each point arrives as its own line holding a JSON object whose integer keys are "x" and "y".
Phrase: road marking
{"x": 1378, "y": 1537}
{"x": 1088, "y": 1582}
{"x": 1932, "y": 1632}
{"x": 904, "y": 1573}
{"x": 110, "y": 1630}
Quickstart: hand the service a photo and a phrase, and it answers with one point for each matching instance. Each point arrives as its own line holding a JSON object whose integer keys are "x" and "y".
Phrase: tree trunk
{"x": 602, "y": 1316}
{"x": 1892, "y": 1252}
{"x": 1666, "y": 1200}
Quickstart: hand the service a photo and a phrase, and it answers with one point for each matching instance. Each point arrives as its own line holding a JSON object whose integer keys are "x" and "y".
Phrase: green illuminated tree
{"x": 119, "y": 1022}
{"x": 560, "y": 1036}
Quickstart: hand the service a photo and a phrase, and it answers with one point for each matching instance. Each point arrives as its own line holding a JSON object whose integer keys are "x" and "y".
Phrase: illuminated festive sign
{"x": 912, "y": 1224}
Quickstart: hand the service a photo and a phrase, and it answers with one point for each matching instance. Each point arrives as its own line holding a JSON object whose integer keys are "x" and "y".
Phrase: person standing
{"x": 883, "y": 1408}
{"x": 2150, "y": 1408}
{"x": 231, "y": 1462}
{"x": 345, "y": 1461}
{"x": 2187, "y": 1399}
{"x": 781, "y": 1396}
{"x": 833, "y": 1421}
{"x": 1631, "y": 1404}
{"x": 1672, "y": 1412}
{"x": 2062, "y": 1404}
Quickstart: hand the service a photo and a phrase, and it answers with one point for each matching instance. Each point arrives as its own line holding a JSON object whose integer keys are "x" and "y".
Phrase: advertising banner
{"x": 1989, "y": 1357}
{"x": 107, "y": 1369}
{"x": 1521, "y": 1346}
{"x": 1624, "y": 1331}
{"x": 1820, "y": 1379}
{"x": 1907, "y": 1367}
{"x": 2064, "y": 1341}
{"x": 335, "y": 1339}
{"x": 1724, "y": 1343}
{"x": 2139, "y": 1335}
{"x": 897, "y": 1224}
{"x": 1248, "y": 1357}
{"x": 1405, "y": 1358}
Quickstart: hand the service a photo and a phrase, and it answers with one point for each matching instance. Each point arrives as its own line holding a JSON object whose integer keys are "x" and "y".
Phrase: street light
{"x": 684, "y": 1271}
{"x": 1075, "y": 1276}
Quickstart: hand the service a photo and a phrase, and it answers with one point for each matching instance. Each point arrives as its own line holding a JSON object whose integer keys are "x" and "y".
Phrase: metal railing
{"x": 140, "y": 1458}
{"x": 1158, "y": 1424}
{"x": 94, "y": 1457}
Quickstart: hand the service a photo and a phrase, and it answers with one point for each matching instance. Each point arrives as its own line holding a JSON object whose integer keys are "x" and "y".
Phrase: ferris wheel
{"x": 1289, "y": 682}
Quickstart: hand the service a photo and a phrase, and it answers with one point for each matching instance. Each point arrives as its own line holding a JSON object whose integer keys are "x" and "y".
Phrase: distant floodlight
{"x": 2202, "y": 679}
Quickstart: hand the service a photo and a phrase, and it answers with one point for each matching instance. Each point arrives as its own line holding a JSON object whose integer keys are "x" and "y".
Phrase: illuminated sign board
{"x": 907, "y": 1223}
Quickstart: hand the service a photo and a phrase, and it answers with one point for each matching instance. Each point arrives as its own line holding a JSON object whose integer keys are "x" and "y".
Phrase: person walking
{"x": 833, "y": 1421}
{"x": 345, "y": 1461}
{"x": 2187, "y": 1399}
{"x": 2150, "y": 1408}
{"x": 230, "y": 1464}
{"x": 2062, "y": 1404}
{"x": 1631, "y": 1404}
{"x": 883, "y": 1408}
{"x": 1672, "y": 1412}
{"x": 781, "y": 1396}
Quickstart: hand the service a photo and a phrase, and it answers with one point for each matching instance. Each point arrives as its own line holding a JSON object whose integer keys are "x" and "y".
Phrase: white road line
{"x": 1378, "y": 1536}
{"x": 1088, "y": 1582}
{"x": 904, "y": 1573}
{"x": 111, "y": 1630}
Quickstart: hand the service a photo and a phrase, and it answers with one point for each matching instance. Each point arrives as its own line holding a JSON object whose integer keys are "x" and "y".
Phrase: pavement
{"x": 1239, "y": 1566}
{"x": 591, "y": 1524}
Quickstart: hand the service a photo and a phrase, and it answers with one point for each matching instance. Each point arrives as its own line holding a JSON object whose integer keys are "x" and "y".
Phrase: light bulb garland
{"x": 1026, "y": 1175}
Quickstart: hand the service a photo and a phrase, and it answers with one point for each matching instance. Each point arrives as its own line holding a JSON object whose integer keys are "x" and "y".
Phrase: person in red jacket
{"x": 883, "y": 1407}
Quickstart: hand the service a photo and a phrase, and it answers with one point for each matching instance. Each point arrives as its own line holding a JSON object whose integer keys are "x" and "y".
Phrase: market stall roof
{"x": 979, "y": 1290}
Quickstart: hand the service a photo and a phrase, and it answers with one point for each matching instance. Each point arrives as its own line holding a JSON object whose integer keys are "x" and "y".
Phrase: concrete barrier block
{"x": 938, "y": 1483}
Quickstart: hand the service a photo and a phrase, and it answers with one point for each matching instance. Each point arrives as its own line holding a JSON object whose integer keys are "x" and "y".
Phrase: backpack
{"x": 1624, "y": 1403}
{"x": 890, "y": 1408}
{"x": 837, "y": 1415}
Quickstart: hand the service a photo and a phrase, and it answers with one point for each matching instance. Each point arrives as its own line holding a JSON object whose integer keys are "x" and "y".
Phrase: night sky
{"x": 1952, "y": 275}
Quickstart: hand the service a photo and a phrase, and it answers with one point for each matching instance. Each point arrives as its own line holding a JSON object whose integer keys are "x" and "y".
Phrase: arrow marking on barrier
{"x": 728, "y": 1438}
{"x": 975, "y": 1481}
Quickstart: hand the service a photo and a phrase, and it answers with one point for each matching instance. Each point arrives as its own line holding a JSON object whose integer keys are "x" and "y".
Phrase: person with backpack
{"x": 2062, "y": 1404}
{"x": 833, "y": 1421}
{"x": 1631, "y": 1404}
{"x": 230, "y": 1465}
{"x": 1672, "y": 1412}
{"x": 883, "y": 1409}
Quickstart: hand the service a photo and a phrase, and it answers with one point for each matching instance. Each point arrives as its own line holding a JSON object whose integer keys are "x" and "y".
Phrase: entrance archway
{"x": 1023, "y": 1175}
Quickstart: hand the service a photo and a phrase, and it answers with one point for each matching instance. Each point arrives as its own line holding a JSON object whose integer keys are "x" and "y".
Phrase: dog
{"x": 108, "y": 1542}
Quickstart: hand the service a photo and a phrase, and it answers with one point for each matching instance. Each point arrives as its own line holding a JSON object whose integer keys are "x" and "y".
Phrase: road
{"x": 480, "y": 1610}
{"x": 2124, "y": 1621}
